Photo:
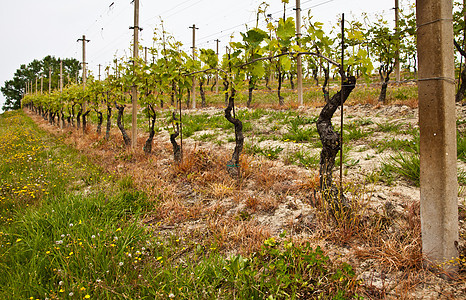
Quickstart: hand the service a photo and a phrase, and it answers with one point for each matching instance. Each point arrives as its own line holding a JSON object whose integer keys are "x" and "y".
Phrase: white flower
{"x": 120, "y": 263}
{"x": 60, "y": 282}
{"x": 71, "y": 224}
{"x": 171, "y": 295}
{"x": 59, "y": 242}
{"x": 98, "y": 280}
{"x": 71, "y": 294}
{"x": 62, "y": 235}
{"x": 92, "y": 236}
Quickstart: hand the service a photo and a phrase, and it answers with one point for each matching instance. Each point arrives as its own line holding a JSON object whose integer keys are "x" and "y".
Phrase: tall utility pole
{"x": 216, "y": 73}
{"x": 134, "y": 90}
{"x": 299, "y": 71}
{"x": 50, "y": 80}
{"x": 145, "y": 55}
{"x": 84, "y": 59}
{"x": 397, "y": 51}
{"x": 84, "y": 75}
{"x": 41, "y": 84}
{"x": 193, "y": 90}
{"x": 61, "y": 76}
{"x": 437, "y": 117}
{"x": 36, "y": 85}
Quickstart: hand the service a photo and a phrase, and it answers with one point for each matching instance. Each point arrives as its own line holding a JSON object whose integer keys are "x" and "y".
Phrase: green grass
{"x": 461, "y": 146}
{"x": 269, "y": 152}
{"x": 388, "y": 127}
{"x": 303, "y": 158}
{"x": 59, "y": 242}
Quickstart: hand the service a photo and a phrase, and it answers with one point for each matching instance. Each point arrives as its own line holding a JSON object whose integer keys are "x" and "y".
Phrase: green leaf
{"x": 286, "y": 29}
{"x": 285, "y": 62}
{"x": 258, "y": 70}
{"x": 254, "y": 36}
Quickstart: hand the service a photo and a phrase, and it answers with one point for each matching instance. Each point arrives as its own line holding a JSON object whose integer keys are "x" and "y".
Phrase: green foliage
{"x": 303, "y": 158}
{"x": 15, "y": 89}
{"x": 269, "y": 152}
{"x": 297, "y": 133}
{"x": 461, "y": 146}
{"x": 283, "y": 272}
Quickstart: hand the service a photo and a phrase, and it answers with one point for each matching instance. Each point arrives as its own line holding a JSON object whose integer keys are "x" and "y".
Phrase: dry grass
{"x": 198, "y": 199}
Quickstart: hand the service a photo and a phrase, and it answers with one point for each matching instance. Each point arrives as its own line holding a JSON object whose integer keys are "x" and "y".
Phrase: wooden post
{"x": 437, "y": 123}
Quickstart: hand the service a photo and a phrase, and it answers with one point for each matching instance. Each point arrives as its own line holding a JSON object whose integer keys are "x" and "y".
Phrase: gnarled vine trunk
{"x": 109, "y": 122}
{"x": 85, "y": 121}
{"x": 126, "y": 138}
{"x": 177, "y": 154}
{"x": 148, "y": 145}
{"x": 202, "y": 92}
{"x": 100, "y": 120}
{"x": 233, "y": 167}
{"x": 291, "y": 81}
{"x": 462, "y": 89}
{"x": 384, "y": 73}
{"x": 331, "y": 142}
{"x": 78, "y": 118}
{"x": 324, "y": 86}
{"x": 225, "y": 90}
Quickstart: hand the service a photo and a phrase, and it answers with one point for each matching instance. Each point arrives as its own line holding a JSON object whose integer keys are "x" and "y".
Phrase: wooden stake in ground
{"x": 437, "y": 123}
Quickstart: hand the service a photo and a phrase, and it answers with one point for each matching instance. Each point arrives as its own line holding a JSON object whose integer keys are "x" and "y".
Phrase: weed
{"x": 355, "y": 134}
{"x": 404, "y": 164}
{"x": 303, "y": 158}
{"x": 461, "y": 146}
{"x": 270, "y": 152}
{"x": 388, "y": 127}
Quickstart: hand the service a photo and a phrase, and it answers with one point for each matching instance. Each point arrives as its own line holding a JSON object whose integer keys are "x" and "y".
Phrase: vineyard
{"x": 207, "y": 176}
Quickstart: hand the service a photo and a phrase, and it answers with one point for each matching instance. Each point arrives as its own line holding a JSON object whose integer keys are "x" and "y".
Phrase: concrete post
{"x": 193, "y": 89}
{"x": 216, "y": 73}
{"x": 437, "y": 122}
{"x": 61, "y": 76}
{"x": 299, "y": 68}
{"x": 397, "y": 51}
{"x": 134, "y": 91}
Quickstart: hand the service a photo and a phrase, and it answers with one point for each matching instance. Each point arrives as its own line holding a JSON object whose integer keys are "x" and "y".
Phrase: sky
{"x": 32, "y": 29}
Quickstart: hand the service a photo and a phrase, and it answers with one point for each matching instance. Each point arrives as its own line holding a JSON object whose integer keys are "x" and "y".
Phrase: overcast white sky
{"x": 33, "y": 29}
